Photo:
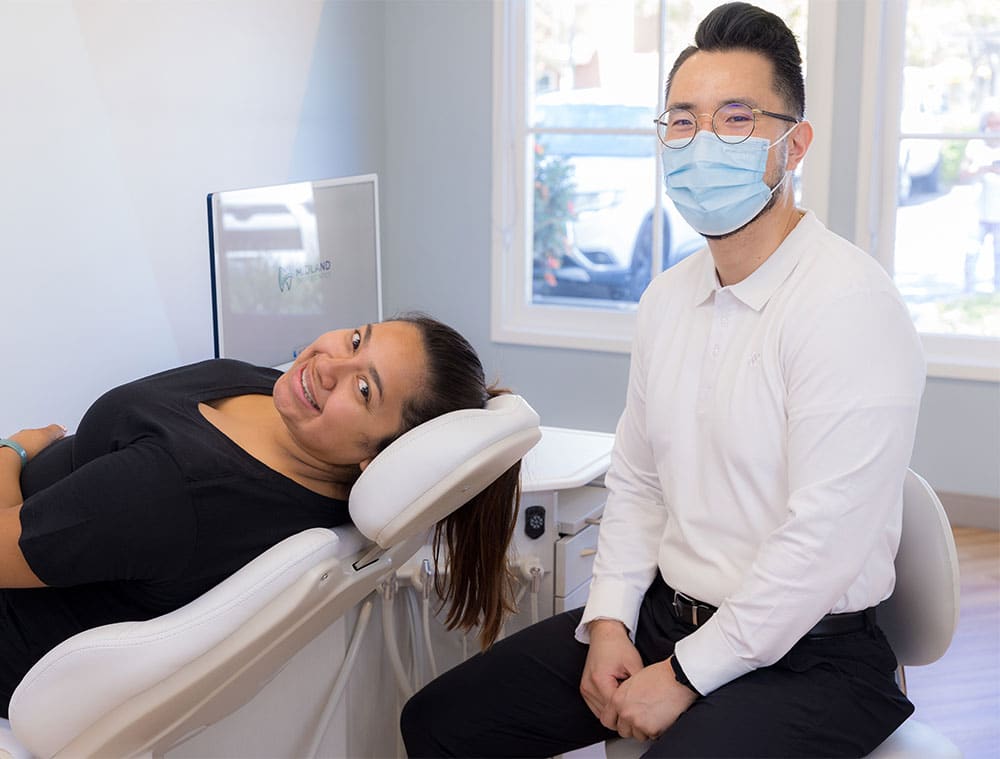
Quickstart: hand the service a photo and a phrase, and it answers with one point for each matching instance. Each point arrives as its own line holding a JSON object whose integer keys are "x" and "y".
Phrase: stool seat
{"x": 911, "y": 740}
{"x": 915, "y": 739}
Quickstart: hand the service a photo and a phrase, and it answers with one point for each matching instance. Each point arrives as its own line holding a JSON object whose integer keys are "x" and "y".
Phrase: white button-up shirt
{"x": 760, "y": 459}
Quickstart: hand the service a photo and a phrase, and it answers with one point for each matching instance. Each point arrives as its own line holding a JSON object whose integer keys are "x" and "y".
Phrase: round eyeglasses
{"x": 732, "y": 123}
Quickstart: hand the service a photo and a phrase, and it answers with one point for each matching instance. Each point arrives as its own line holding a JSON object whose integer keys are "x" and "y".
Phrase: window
{"x": 938, "y": 213}
{"x": 581, "y": 219}
{"x": 582, "y": 222}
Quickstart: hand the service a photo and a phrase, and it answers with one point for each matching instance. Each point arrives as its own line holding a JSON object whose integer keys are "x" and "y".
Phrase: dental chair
{"x": 919, "y": 618}
{"x": 141, "y": 688}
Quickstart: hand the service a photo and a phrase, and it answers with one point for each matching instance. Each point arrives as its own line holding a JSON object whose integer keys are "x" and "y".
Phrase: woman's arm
{"x": 33, "y": 442}
{"x": 14, "y": 570}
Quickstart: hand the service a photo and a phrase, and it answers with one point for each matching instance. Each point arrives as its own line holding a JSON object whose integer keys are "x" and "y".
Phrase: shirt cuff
{"x": 680, "y": 676}
{"x": 610, "y": 599}
{"x": 709, "y": 662}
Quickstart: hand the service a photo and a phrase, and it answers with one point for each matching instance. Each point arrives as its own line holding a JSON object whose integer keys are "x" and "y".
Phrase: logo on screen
{"x": 305, "y": 272}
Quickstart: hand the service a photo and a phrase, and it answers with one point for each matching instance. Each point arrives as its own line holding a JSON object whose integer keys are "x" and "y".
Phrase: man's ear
{"x": 799, "y": 140}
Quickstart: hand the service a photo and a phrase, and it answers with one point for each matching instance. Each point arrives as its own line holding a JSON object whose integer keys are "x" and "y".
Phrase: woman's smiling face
{"x": 345, "y": 392}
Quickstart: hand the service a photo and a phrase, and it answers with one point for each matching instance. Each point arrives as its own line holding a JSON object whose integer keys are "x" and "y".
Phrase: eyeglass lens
{"x": 732, "y": 123}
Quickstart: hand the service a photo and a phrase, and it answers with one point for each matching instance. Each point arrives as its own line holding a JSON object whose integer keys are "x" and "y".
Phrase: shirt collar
{"x": 757, "y": 289}
{"x": 708, "y": 283}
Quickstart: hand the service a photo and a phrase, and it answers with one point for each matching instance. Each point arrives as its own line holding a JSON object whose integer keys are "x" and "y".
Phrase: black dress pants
{"x": 828, "y": 696}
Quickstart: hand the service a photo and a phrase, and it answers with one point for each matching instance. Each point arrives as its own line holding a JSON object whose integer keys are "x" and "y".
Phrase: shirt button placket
{"x": 710, "y": 364}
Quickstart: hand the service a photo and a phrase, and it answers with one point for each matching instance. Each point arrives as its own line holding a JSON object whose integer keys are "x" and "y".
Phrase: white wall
{"x": 118, "y": 119}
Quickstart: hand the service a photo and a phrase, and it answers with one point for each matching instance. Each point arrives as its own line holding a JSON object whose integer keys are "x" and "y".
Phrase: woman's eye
{"x": 356, "y": 340}
{"x": 364, "y": 390}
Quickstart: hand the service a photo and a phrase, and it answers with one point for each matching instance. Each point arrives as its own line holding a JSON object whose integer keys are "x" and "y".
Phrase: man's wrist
{"x": 606, "y": 626}
{"x": 680, "y": 676}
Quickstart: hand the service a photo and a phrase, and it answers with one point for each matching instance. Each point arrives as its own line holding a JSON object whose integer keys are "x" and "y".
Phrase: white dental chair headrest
{"x": 430, "y": 471}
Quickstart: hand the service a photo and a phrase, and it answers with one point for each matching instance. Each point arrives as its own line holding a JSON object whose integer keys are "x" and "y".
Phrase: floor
{"x": 960, "y": 693}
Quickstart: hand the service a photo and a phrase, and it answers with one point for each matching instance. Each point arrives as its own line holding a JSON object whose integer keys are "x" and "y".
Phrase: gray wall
{"x": 437, "y": 239}
{"x": 437, "y": 205}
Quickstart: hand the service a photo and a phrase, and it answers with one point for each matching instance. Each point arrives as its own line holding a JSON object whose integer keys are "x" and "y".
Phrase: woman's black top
{"x": 145, "y": 508}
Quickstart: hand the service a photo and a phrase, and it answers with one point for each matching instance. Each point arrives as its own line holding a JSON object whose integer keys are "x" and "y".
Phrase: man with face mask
{"x": 755, "y": 489}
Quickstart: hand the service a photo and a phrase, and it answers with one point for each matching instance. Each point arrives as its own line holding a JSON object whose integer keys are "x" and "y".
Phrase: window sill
{"x": 963, "y": 371}
{"x": 962, "y": 357}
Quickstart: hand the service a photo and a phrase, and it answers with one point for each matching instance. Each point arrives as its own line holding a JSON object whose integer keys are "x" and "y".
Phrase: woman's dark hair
{"x": 478, "y": 586}
{"x": 741, "y": 26}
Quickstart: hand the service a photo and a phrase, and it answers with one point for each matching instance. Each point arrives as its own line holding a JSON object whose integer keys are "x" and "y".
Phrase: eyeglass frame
{"x": 755, "y": 111}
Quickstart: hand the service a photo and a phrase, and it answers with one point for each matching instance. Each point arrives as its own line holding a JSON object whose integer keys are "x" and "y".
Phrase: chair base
{"x": 912, "y": 740}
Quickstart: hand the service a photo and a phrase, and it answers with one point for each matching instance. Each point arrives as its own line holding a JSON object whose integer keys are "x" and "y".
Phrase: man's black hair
{"x": 741, "y": 26}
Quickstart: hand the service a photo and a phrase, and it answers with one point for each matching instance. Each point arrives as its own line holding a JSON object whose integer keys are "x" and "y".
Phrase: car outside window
{"x": 610, "y": 184}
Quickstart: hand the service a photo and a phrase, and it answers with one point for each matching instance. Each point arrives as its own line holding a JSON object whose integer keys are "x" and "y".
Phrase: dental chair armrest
{"x": 95, "y": 671}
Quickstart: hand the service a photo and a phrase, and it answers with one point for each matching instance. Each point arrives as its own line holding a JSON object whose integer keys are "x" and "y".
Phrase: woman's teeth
{"x": 305, "y": 389}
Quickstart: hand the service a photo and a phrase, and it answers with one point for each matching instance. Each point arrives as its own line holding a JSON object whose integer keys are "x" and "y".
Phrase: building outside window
{"x": 946, "y": 251}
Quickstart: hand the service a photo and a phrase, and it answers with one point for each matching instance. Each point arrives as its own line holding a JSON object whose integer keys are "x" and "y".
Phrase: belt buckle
{"x": 692, "y": 604}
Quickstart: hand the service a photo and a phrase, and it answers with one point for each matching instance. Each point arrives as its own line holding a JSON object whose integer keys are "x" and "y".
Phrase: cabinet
{"x": 562, "y": 481}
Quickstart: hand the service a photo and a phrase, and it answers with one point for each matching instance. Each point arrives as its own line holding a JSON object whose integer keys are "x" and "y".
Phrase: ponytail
{"x": 479, "y": 587}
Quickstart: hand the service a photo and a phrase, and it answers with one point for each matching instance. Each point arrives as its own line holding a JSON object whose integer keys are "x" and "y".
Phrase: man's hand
{"x": 649, "y": 702}
{"x": 611, "y": 659}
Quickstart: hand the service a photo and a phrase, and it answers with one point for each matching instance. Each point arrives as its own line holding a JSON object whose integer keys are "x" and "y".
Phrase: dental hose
{"x": 427, "y": 577}
{"x": 340, "y": 683}
{"x": 388, "y": 593}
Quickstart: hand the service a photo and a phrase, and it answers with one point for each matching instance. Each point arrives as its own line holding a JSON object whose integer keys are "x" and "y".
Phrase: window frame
{"x": 964, "y": 357}
{"x": 516, "y": 320}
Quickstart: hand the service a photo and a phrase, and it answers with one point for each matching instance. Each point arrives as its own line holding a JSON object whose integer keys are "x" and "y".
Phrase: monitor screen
{"x": 290, "y": 262}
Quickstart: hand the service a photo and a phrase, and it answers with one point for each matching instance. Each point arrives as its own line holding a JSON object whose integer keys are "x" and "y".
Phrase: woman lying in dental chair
{"x": 173, "y": 482}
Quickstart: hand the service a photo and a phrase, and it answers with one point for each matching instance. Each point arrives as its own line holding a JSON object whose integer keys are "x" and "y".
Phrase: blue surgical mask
{"x": 718, "y": 187}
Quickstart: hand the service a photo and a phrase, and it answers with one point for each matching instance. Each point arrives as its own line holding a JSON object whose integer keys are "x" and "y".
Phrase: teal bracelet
{"x": 5, "y": 443}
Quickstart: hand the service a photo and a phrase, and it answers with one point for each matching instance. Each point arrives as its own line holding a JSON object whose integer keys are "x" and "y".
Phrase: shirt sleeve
{"x": 854, "y": 375}
{"x": 125, "y": 515}
{"x": 634, "y": 516}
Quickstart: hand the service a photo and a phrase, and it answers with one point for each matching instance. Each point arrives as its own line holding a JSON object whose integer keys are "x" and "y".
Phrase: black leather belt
{"x": 693, "y": 612}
